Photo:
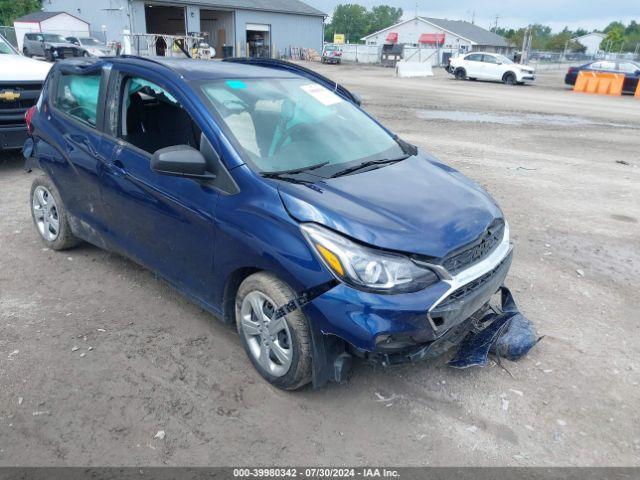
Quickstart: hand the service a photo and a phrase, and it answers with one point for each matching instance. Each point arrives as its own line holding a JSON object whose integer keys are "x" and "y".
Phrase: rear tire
{"x": 509, "y": 79}
{"x": 281, "y": 353}
{"x": 460, "y": 74}
{"x": 50, "y": 215}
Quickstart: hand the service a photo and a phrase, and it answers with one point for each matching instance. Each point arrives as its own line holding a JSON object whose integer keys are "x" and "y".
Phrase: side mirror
{"x": 181, "y": 161}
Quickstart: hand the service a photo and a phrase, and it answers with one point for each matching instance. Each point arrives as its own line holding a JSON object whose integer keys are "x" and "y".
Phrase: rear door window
{"x": 151, "y": 118}
{"x": 604, "y": 66}
{"x": 474, "y": 57}
{"x": 628, "y": 67}
{"x": 77, "y": 96}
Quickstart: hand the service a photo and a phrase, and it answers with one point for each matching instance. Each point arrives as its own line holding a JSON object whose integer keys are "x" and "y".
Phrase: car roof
{"x": 189, "y": 69}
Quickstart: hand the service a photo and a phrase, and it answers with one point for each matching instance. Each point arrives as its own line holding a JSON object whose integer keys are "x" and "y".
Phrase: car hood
{"x": 418, "y": 205}
{"x": 19, "y": 68}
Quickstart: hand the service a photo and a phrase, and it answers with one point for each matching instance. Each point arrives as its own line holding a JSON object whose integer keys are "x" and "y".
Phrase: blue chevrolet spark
{"x": 262, "y": 191}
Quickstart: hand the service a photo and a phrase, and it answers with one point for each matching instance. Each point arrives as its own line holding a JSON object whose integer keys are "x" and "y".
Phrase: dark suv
{"x": 50, "y": 46}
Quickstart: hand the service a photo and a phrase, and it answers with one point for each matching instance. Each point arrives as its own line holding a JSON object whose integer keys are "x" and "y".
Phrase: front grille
{"x": 474, "y": 285}
{"x": 12, "y": 112}
{"x": 478, "y": 250}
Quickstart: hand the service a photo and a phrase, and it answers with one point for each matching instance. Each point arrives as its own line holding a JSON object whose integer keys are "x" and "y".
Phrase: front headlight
{"x": 366, "y": 268}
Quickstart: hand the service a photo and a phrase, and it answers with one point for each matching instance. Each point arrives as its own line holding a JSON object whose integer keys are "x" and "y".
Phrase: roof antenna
{"x": 416, "y": 9}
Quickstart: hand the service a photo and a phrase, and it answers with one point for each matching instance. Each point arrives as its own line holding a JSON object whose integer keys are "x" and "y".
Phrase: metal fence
{"x": 10, "y": 34}
{"x": 372, "y": 54}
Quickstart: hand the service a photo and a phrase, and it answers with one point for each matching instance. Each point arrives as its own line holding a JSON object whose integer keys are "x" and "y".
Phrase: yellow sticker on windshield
{"x": 321, "y": 94}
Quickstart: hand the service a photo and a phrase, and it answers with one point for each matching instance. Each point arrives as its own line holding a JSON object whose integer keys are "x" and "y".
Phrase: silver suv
{"x": 50, "y": 46}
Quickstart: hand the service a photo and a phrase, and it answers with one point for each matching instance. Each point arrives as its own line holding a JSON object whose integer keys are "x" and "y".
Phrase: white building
{"x": 591, "y": 41}
{"x": 455, "y": 36}
{"x": 61, "y": 23}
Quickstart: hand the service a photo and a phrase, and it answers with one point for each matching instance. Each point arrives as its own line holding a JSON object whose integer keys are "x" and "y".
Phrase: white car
{"x": 490, "y": 66}
{"x": 21, "y": 80}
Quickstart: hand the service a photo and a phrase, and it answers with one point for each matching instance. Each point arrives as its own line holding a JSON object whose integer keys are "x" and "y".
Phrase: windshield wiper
{"x": 369, "y": 163}
{"x": 293, "y": 171}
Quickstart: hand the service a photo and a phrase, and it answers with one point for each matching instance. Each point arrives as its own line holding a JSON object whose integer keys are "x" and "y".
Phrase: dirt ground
{"x": 148, "y": 360}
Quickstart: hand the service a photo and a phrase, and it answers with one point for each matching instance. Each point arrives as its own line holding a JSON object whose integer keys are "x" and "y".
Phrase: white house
{"x": 591, "y": 41}
{"x": 455, "y": 36}
{"x": 61, "y": 23}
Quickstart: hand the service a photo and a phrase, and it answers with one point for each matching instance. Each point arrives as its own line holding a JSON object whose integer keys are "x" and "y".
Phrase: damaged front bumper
{"x": 392, "y": 329}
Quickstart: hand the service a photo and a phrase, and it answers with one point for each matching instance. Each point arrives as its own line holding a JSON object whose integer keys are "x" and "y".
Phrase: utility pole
{"x": 496, "y": 24}
{"x": 526, "y": 44}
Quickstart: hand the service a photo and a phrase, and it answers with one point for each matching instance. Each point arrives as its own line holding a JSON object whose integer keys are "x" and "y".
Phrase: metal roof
{"x": 189, "y": 69}
{"x": 281, "y": 6}
{"x": 469, "y": 31}
{"x": 460, "y": 28}
{"x": 41, "y": 16}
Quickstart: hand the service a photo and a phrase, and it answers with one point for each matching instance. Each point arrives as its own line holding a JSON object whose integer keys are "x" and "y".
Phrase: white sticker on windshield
{"x": 321, "y": 94}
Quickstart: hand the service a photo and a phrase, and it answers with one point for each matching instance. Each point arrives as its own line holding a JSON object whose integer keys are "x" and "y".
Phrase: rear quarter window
{"x": 77, "y": 96}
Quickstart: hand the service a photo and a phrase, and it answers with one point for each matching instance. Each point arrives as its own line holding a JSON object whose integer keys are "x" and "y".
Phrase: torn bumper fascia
{"x": 433, "y": 320}
{"x": 363, "y": 318}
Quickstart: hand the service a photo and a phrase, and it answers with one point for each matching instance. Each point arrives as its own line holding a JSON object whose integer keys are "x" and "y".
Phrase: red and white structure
{"x": 449, "y": 35}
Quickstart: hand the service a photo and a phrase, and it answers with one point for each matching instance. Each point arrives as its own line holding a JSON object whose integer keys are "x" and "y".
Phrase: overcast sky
{"x": 589, "y": 14}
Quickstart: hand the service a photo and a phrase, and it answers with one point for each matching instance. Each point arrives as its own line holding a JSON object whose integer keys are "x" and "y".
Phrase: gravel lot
{"x": 148, "y": 360}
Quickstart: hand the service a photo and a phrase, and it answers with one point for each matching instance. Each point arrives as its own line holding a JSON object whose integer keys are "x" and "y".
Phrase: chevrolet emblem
{"x": 9, "y": 95}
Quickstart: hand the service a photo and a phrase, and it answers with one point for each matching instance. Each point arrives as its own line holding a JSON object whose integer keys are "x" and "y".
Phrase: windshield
{"x": 504, "y": 59}
{"x": 292, "y": 123}
{"x": 5, "y": 48}
{"x": 54, "y": 38}
{"x": 90, "y": 42}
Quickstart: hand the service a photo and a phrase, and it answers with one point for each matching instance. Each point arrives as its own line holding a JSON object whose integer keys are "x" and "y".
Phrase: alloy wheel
{"x": 269, "y": 341}
{"x": 45, "y": 213}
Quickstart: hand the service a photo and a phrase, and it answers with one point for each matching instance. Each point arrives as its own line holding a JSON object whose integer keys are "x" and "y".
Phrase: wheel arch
{"x": 509, "y": 72}
{"x": 233, "y": 282}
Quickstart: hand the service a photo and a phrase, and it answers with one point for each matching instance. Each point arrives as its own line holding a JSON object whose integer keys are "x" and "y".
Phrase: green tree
{"x": 614, "y": 26}
{"x": 615, "y": 39}
{"x": 12, "y": 9}
{"x": 561, "y": 41}
{"x": 579, "y": 32}
{"x": 541, "y": 34}
{"x": 350, "y": 19}
{"x": 383, "y": 16}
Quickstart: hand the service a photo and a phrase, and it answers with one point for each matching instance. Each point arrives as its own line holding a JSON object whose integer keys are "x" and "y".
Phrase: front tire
{"x": 461, "y": 74}
{"x": 279, "y": 350}
{"x": 509, "y": 79}
{"x": 50, "y": 216}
